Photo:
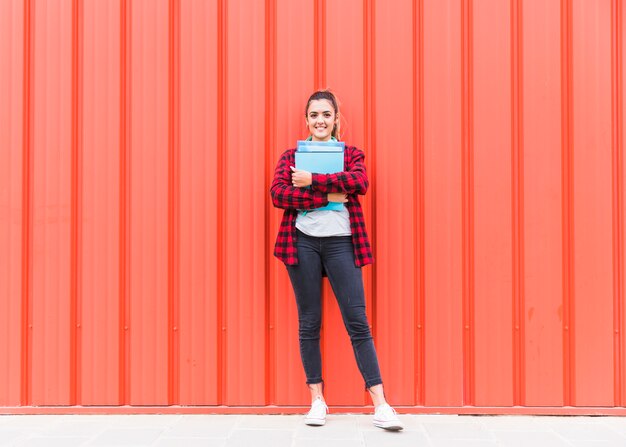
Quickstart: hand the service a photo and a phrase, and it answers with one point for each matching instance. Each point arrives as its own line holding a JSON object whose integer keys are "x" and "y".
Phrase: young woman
{"x": 329, "y": 243}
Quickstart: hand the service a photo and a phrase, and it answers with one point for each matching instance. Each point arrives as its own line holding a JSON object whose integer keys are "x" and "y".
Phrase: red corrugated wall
{"x": 138, "y": 140}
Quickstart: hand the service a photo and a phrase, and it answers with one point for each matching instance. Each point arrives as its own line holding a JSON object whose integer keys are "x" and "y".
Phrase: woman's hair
{"x": 329, "y": 96}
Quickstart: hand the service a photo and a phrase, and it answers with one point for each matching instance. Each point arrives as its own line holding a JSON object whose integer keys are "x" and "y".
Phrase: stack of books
{"x": 321, "y": 157}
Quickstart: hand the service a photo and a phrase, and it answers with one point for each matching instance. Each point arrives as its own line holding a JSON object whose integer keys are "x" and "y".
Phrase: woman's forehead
{"x": 320, "y": 106}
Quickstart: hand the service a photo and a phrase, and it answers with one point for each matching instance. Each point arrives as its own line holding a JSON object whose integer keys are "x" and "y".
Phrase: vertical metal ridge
{"x": 422, "y": 291}
{"x": 470, "y": 191}
{"x": 522, "y": 257}
{"x": 567, "y": 211}
{"x": 316, "y": 28}
{"x": 322, "y": 24}
{"x": 75, "y": 201}
{"x": 128, "y": 202}
{"x": 467, "y": 201}
{"x": 517, "y": 201}
{"x": 270, "y": 141}
{"x": 319, "y": 20}
{"x": 617, "y": 185}
{"x": 222, "y": 110}
{"x": 416, "y": 211}
{"x": 26, "y": 341}
{"x": 124, "y": 304}
{"x": 418, "y": 197}
{"x": 173, "y": 196}
{"x": 318, "y": 79}
{"x": 369, "y": 85}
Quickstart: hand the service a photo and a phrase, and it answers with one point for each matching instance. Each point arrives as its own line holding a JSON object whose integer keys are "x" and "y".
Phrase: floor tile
{"x": 395, "y": 439}
{"x": 576, "y": 432}
{"x": 338, "y": 426}
{"x": 260, "y": 438}
{"x": 126, "y": 437}
{"x": 525, "y": 438}
{"x": 269, "y": 421}
{"x": 463, "y": 430}
{"x": 463, "y": 443}
{"x": 202, "y": 426}
{"x": 328, "y": 443}
{"x": 53, "y": 441}
{"x": 190, "y": 442}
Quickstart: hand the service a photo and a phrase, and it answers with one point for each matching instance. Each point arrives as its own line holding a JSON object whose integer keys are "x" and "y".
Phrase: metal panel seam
{"x": 467, "y": 201}
{"x": 320, "y": 56}
{"x": 517, "y": 200}
{"x": 270, "y": 141}
{"x": 26, "y": 340}
{"x": 422, "y": 272}
{"x": 418, "y": 197}
{"x": 617, "y": 180}
{"x": 75, "y": 201}
{"x": 323, "y": 59}
{"x": 122, "y": 205}
{"x": 522, "y": 177}
{"x": 124, "y": 213}
{"x": 319, "y": 79}
{"x": 173, "y": 203}
{"x": 567, "y": 200}
{"x": 222, "y": 110}
{"x": 369, "y": 86}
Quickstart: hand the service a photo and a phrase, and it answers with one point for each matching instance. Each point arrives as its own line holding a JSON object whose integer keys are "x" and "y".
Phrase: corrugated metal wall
{"x": 137, "y": 143}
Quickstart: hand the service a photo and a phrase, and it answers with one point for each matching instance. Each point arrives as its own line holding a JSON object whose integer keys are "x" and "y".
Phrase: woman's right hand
{"x": 338, "y": 197}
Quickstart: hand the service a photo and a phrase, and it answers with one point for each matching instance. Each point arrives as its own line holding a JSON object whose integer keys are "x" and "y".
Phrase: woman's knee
{"x": 357, "y": 325}
{"x": 309, "y": 326}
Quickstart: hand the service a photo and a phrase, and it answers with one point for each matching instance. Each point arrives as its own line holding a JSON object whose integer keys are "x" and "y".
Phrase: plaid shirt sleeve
{"x": 286, "y": 196}
{"x": 351, "y": 181}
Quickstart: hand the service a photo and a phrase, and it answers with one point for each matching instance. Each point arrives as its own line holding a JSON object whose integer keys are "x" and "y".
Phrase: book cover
{"x": 322, "y": 157}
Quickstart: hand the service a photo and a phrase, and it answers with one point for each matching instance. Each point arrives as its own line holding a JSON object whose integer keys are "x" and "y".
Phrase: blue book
{"x": 321, "y": 157}
{"x": 320, "y": 146}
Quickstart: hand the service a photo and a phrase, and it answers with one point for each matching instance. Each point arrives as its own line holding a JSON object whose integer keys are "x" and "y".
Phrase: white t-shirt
{"x": 324, "y": 223}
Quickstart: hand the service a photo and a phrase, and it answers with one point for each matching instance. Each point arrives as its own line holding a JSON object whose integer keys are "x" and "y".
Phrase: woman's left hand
{"x": 300, "y": 178}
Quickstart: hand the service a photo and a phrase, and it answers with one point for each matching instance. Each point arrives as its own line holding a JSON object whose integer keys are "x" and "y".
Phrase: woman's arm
{"x": 351, "y": 181}
{"x": 286, "y": 196}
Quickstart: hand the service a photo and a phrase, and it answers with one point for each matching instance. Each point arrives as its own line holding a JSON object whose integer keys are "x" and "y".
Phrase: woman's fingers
{"x": 300, "y": 178}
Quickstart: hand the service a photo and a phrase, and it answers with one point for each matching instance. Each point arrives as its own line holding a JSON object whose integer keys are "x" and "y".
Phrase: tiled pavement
{"x": 341, "y": 430}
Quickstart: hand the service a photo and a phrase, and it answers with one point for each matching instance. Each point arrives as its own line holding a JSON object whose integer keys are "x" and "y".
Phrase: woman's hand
{"x": 338, "y": 197}
{"x": 300, "y": 178}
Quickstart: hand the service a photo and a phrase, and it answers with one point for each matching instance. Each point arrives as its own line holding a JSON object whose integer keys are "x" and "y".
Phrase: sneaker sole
{"x": 315, "y": 421}
{"x": 389, "y": 426}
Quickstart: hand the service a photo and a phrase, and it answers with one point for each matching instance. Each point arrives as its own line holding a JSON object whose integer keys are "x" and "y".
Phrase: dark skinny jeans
{"x": 335, "y": 255}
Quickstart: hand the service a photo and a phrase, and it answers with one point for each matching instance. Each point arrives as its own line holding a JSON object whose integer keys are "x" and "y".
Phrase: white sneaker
{"x": 386, "y": 417}
{"x": 317, "y": 413}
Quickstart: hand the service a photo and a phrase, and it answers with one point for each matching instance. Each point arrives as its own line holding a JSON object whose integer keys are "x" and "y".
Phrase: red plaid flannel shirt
{"x": 352, "y": 181}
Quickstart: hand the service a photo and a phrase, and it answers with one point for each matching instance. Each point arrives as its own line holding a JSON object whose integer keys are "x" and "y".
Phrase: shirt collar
{"x": 310, "y": 138}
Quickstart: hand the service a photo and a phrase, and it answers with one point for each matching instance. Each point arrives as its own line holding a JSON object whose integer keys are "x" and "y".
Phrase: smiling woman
{"x": 314, "y": 243}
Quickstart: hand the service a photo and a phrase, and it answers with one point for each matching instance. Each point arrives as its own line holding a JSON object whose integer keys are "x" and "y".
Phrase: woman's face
{"x": 321, "y": 119}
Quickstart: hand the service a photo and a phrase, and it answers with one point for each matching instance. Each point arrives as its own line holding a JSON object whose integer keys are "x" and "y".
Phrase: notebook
{"x": 321, "y": 157}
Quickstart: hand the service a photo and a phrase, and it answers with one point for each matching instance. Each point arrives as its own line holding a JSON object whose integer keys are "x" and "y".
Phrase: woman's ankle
{"x": 377, "y": 394}
{"x": 317, "y": 391}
